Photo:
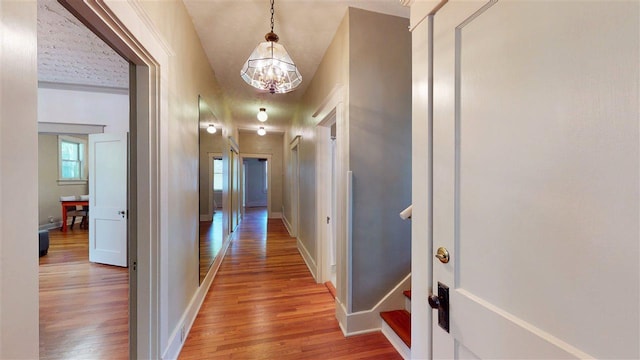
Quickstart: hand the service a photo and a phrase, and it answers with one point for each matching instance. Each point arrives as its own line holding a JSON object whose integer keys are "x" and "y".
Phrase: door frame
{"x": 294, "y": 146}
{"x": 334, "y": 102}
{"x": 269, "y": 176}
{"x": 324, "y": 194}
{"x": 124, "y": 26}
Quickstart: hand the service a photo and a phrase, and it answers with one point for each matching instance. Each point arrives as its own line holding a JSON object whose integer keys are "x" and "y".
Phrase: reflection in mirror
{"x": 210, "y": 188}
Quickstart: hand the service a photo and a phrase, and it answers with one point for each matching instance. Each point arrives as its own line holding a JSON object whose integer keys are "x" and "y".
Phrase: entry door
{"x": 108, "y": 199}
{"x": 535, "y": 175}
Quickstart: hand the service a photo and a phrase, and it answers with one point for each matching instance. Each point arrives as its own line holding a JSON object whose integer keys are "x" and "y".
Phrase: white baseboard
{"x": 369, "y": 320}
{"x": 287, "y": 224}
{"x": 395, "y": 340}
{"x": 53, "y": 225}
{"x": 275, "y": 215}
{"x": 311, "y": 264}
{"x": 206, "y": 217}
{"x": 176, "y": 339}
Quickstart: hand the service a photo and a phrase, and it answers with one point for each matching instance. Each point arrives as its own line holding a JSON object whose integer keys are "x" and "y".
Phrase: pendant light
{"x": 269, "y": 67}
{"x": 262, "y": 131}
{"x": 262, "y": 115}
{"x": 211, "y": 129}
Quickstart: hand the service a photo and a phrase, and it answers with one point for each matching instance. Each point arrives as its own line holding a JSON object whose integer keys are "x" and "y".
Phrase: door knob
{"x": 443, "y": 255}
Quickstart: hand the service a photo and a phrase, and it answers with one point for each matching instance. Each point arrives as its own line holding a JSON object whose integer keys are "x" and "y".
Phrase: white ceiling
{"x": 229, "y": 30}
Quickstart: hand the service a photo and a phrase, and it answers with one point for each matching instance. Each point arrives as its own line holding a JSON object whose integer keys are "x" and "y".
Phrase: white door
{"x": 535, "y": 175}
{"x": 108, "y": 199}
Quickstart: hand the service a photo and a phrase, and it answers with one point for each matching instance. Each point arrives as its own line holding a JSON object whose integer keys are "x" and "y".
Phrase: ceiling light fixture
{"x": 211, "y": 129}
{"x": 262, "y": 115}
{"x": 262, "y": 131}
{"x": 269, "y": 67}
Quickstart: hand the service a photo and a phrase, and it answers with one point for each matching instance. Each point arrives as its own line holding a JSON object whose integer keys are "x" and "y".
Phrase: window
{"x": 217, "y": 174}
{"x": 72, "y": 164}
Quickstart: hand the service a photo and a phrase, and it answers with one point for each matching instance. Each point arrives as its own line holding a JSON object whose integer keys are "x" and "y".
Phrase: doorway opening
{"x": 256, "y": 181}
{"x": 81, "y": 150}
{"x": 327, "y": 199}
{"x": 295, "y": 186}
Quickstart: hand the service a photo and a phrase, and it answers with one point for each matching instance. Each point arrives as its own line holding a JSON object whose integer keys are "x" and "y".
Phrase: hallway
{"x": 264, "y": 304}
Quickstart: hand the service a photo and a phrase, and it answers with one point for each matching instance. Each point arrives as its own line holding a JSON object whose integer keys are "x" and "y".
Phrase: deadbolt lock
{"x": 443, "y": 255}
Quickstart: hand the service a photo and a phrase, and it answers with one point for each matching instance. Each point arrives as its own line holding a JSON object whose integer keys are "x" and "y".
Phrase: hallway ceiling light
{"x": 211, "y": 129}
{"x": 262, "y": 131}
{"x": 262, "y": 115}
{"x": 269, "y": 67}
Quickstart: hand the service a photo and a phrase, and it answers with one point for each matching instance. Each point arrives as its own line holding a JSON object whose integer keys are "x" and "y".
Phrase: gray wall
{"x": 270, "y": 144}
{"x": 370, "y": 56}
{"x": 380, "y": 153}
{"x": 255, "y": 194}
{"x": 49, "y": 191}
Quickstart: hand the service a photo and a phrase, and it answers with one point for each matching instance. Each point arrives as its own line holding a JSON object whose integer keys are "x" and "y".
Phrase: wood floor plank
{"x": 84, "y": 307}
{"x": 264, "y": 304}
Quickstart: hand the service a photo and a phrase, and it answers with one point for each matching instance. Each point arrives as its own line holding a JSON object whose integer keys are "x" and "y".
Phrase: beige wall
{"x": 49, "y": 191}
{"x": 270, "y": 144}
{"x": 189, "y": 76}
{"x": 18, "y": 181}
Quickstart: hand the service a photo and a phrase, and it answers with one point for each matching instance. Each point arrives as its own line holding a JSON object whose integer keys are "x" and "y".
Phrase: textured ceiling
{"x": 230, "y": 29}
{"x": 70, "y": 53}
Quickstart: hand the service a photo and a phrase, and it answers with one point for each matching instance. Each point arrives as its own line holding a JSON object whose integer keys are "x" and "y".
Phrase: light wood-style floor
{"x": 264, "y": 304}
{"x": 83, "y": 306}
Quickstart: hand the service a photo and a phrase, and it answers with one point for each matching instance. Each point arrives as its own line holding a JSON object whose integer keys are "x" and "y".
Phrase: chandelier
{"x": 269, "y": 67}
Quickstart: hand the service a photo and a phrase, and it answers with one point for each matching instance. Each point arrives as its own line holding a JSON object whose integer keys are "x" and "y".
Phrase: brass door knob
{"x": 443, "y": 255}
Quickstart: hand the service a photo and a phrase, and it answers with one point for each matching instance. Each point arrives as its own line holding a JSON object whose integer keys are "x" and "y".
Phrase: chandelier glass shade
{"x": 269, "y": 67}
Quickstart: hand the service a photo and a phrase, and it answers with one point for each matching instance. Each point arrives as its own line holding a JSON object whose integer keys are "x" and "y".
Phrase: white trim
{"x": 336, "y": 101}
{"x": 176, "y": 342}
{"x": 286, "y": 223}
{"x": 83, "y": 87}
{"x": 308, "y": 259}
{"x": 69, "y": 129}
{"x": 369, "y": 320}
{"x": 294, "y": 146}
{"x": 276, "y": 215}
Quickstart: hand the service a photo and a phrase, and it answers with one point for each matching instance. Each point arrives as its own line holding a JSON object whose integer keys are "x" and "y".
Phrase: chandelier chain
{"x": 272, "y": 15}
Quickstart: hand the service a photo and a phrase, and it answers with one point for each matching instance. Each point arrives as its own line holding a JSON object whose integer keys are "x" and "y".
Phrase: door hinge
{"x": 134, "y": 265}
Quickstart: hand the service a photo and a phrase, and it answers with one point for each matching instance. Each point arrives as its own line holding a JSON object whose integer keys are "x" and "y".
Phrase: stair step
{"x": 400, "y": 322}
{"x": 407, "y": 293}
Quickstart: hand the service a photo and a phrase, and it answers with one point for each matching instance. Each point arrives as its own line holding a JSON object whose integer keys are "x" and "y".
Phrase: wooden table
{"x": 64, "y": 205}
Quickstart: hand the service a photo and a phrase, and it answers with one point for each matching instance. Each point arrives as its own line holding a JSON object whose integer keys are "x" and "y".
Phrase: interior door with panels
{"x": 535, "y": 173}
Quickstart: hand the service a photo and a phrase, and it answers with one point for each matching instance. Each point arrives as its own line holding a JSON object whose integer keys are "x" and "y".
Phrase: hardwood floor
{"x": 210, "y": 242}
{"x": 83, "y": 306}
{"x": 264, "y": 304}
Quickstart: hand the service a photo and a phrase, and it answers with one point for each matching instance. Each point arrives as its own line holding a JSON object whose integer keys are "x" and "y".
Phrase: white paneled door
{"x": 536, "y": 179}
{"x": 108, "y": 198}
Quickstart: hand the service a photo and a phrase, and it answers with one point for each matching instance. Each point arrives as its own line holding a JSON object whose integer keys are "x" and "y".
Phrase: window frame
{"x": 83, "y": 155}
